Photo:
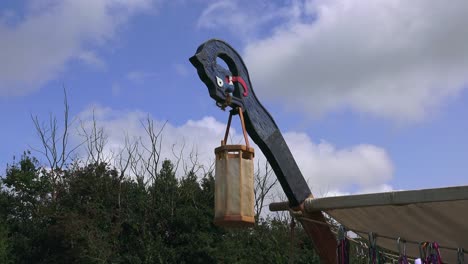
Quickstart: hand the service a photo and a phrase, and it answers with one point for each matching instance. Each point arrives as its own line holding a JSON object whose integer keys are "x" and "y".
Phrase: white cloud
{"x": 36, "y": 48}
{"x": 331, "y": 170}
{"x": 181, "y": 69}
{"x": 197, "y": 136}
{"x": 244, "y": 18}
{"x": 139, "y": 76}
{"x": 328, "y": 170}
{"x": 222, "y": 14}
{"x": 378, "y": 188}
{"x": 392, "y": 58}
{"x": 92, "y": 59}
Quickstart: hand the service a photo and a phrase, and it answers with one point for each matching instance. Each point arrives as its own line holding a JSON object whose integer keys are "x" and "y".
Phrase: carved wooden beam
{"x": 232, "y": 88}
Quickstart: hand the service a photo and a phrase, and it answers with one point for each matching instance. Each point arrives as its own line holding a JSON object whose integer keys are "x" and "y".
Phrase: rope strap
{"x": 374, "y": 253}
{"x": 342, "y": 250}
{"x": 228, "y": 127}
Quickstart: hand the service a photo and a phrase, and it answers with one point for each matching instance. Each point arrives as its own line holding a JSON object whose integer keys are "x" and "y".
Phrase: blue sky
{"x": 370, "y": 95}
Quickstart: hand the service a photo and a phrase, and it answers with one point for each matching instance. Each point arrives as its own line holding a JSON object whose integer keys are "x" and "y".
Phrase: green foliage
{"x": 92, "y": 215}
{"x": 4, "y": 245}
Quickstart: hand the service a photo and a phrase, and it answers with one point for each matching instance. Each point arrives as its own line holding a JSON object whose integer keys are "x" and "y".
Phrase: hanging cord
{"x": 374, "y": 254}
{"x": 342, "y": 250}
{"x": 402, "y": 259}
{"x": 430, "y": 253}
{"x": 244, "y": 131}
{"x": 460, "y": 256}
{"x": 423, "y": 246}
{"x": 380, "y": 235}
{"x": 292, "y": 226}
{"x": 434, "y": 254}
{"x": 423, "y": 252}
{"x": 362, "y": 246}
{"x": 228, "y": 127}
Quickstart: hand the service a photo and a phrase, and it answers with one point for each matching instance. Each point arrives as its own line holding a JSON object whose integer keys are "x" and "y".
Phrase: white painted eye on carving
{"x": 219, "y": 81}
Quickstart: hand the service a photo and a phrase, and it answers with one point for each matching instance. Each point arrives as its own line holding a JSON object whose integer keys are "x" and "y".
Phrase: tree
{"x": 264, "y": 181}
{"x": 4, "y": 244}
{"x": 55, "y": 148}
{"x": 128, "y": 207}
{"x": 26, "y": 195}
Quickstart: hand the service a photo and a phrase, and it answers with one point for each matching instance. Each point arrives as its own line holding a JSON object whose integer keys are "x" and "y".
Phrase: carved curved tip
{"x": 195, "y": 61}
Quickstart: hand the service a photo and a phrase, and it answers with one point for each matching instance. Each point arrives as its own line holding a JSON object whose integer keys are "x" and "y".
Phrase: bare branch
{"x": 95, "y": 140}
{"x": 64, "y": 155}
{"x": 265, "y": 180}
{"x": 54, "y": 144}
{"x": 178, "y": 157}
{"x": 126, "y": 155}
{"x": 154, "y": 149}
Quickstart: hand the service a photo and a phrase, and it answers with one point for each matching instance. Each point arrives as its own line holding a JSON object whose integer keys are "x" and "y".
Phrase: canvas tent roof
{"x": 439, "y": 215}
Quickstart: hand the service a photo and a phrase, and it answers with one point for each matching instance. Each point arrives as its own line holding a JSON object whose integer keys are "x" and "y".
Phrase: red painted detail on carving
{"x": 242, "y": 82}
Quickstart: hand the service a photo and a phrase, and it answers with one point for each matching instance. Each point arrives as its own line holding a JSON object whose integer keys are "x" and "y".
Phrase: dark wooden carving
{"x": 232, "y": 87}
{"x": 259, "y": 123}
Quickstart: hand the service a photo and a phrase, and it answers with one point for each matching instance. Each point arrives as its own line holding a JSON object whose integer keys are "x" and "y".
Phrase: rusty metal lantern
{"x": 234, "y": 182}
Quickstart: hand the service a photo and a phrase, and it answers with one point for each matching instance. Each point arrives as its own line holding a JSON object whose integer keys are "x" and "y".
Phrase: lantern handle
{"x": 241, "y": 116}
{"x": 228, "y": 127}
